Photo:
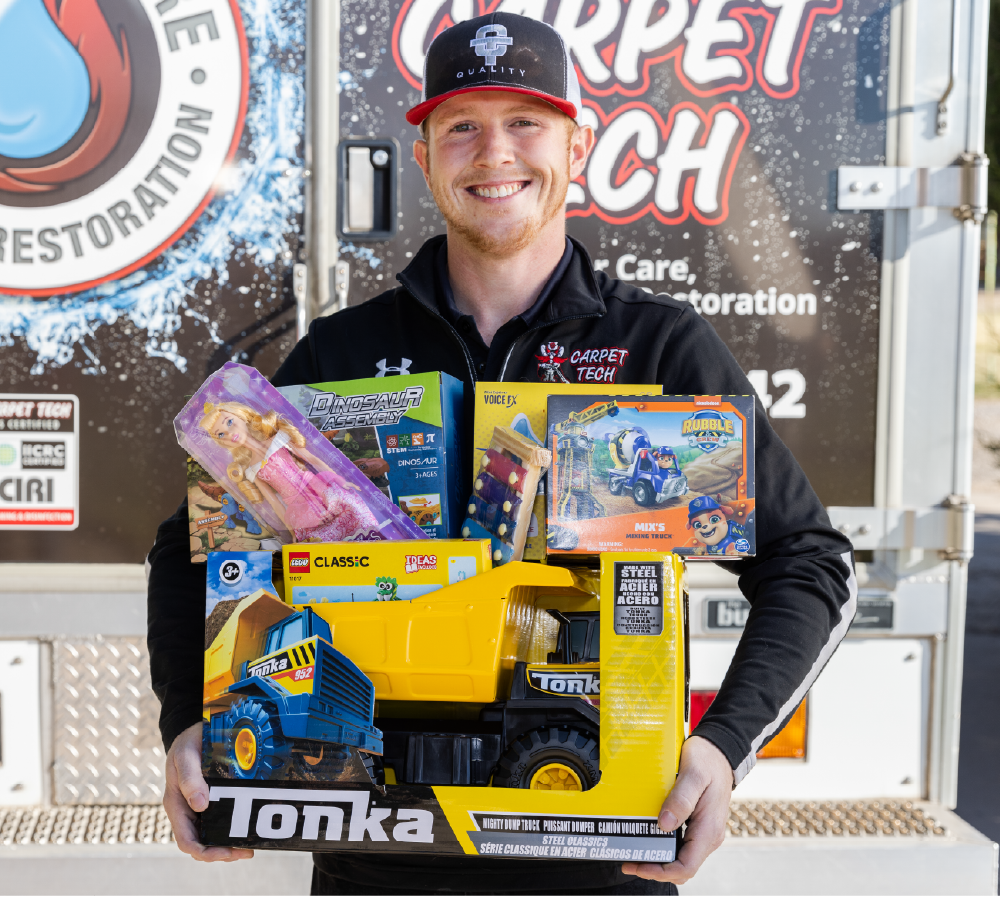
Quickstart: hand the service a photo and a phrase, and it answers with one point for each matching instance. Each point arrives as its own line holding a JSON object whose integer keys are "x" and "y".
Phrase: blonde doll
{"x": 271, "y": 464}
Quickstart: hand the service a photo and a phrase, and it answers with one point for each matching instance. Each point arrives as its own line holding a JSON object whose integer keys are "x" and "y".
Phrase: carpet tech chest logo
{"x": 116, "y": 119}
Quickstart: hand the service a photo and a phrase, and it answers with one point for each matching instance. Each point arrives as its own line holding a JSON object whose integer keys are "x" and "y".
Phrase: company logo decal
{"x": 550, "y": 363}
{"x": 298, "y": 561}
{"x": 384, "y": 367}
{"x": 313, "y": 814}
{"x": 128, "y": 114}
{"x": 707, "y": 430}
{"x": 581, "y": 683}
{"x": 675, "y": 167}
{"x": 491, "y": 41}
{"x": 417, "y": 562}
{"x": 270, "y": 666}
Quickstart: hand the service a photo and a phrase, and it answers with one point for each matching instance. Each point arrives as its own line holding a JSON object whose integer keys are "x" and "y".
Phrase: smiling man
{"x": 505, "y": 295}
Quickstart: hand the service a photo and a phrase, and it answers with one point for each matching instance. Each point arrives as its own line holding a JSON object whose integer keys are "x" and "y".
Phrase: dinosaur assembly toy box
{"x": 500, "y": 714}
{"x": 658, "y": 474}
{"x": 402, "y": 432}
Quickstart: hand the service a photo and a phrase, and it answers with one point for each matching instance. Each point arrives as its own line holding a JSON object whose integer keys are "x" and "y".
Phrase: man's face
{"x": 499, "y": 164}
{"x": 710, "y": 527}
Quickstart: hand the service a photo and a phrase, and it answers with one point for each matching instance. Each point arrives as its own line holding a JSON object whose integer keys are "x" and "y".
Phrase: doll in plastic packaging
{"x": 272, "y": 464}
{"x": 247, "y": 435}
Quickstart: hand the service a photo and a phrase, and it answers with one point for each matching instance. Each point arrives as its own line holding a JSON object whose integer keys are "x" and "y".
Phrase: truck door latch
{"x": 960, "y": 187}
{"x": 946, "y": 528}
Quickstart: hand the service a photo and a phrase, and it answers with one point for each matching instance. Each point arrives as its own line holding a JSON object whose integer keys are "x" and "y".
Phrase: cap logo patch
{"x": 491, "y": 41}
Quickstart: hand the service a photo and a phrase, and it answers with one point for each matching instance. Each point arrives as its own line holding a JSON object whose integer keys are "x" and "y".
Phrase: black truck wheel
{"x": 550, "y": 759}
{"x": 643, "y": 493}
{"x": 255, "y": 746}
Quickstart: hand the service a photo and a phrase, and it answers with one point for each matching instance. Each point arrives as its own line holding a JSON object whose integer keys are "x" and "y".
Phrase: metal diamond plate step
{"x": 106, "y": 740}
{"x": 822, "y": 819}
{"x": 123, "y": 824}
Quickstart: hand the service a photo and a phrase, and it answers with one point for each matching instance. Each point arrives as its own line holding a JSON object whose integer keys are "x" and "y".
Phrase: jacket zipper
{"x": 457, "y": 336}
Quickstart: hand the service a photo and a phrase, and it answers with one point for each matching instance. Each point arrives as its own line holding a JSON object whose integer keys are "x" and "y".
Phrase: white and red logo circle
{"x": 118, "y": 121}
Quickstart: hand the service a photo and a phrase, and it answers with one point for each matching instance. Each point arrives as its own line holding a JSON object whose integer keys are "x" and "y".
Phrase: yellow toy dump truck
{"x": 493, "y": 680}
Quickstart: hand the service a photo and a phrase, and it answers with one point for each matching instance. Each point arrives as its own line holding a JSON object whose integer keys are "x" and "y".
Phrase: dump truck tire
{"x": 255, "y": 746}
{"x": 550, "y": 759}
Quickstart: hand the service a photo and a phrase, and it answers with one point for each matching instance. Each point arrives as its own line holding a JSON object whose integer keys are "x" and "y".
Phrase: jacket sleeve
{"x": 175, "y": 597}
{"x": 175, "y": 614}
{"x": 800, "y": 584}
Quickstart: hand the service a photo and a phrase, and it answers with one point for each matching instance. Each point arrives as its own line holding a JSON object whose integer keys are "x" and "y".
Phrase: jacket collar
{"x": 576, "y": 295}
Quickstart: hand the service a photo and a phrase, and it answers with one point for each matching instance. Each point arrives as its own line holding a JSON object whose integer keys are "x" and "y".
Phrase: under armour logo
{"x": 491, "y": 41}
{"x": 383, "y": 368}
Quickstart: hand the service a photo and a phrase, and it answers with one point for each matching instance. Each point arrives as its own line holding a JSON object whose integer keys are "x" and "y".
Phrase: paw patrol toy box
{"x": 503, "y": 714}
{"x": 403, "y": 433}
{"x": 659, "y": 474}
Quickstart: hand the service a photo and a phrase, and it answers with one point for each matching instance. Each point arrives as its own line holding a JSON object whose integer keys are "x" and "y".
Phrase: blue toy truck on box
{"x": 280, "y": 700}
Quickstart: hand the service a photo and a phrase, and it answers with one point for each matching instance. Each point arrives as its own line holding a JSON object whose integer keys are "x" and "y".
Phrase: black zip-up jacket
{"x": 800, "y": 584}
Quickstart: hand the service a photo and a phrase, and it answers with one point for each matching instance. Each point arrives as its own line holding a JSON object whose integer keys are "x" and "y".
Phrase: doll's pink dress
{"x": 317, "y": 507}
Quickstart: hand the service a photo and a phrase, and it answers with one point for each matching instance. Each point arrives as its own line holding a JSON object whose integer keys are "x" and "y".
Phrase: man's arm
{"x": 803, "y": 595}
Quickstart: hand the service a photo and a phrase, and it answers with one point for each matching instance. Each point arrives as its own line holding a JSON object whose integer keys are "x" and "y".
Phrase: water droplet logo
{"x": 116, "y": 119}
{"x": 41, "y": 119}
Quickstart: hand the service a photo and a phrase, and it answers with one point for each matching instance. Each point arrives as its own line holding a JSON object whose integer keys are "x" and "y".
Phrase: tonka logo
{"x": 284, "y": 814}
{"x": 491, "y": 41}
{"x": 585, "y": 684}
{"x": 268, "y": 667}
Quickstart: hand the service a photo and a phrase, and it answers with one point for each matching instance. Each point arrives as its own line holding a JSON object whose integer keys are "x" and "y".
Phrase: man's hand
{"x": 700, "y": 796}
{"x": 187, "y": 793}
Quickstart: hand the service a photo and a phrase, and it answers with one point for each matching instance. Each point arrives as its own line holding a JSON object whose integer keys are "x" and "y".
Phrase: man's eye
{"x": 465, "y": 126}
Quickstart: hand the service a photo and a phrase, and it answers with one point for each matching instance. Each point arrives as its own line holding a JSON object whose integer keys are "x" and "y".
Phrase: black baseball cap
{"x": 500, "y": 51}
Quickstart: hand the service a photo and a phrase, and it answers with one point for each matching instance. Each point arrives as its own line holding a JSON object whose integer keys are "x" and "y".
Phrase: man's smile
{"x": 497, "y": 191}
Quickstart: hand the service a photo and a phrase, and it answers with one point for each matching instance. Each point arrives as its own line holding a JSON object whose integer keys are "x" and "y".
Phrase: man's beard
{"x": 521, "y": 233}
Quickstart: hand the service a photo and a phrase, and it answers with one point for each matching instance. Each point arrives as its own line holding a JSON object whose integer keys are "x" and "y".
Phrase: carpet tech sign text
{"x": 675, "y": 165}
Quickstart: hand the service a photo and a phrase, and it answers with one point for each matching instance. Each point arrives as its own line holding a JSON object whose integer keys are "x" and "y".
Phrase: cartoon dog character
{"x": 713, "y": 532}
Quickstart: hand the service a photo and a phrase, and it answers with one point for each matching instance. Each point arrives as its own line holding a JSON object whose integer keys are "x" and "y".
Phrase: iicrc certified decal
{"x": 133, "y": 110}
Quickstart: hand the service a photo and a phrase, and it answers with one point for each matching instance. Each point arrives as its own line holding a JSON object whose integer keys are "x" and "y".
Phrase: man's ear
{"x": 421, "y": 156}
{"x": 580, "y": 145}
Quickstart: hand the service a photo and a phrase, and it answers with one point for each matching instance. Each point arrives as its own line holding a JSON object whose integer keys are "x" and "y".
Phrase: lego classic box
{"x": 660, "y": 474}
{"x": 402, "y": 433}
{"x": 502, "y": 714}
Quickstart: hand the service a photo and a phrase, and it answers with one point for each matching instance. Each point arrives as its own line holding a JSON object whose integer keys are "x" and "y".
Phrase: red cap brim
{"x": 419, "y": 112}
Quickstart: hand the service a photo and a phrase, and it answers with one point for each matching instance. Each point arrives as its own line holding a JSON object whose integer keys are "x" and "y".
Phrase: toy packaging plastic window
{"x": 504, "y": 493}
{"x": 255, "y": 444}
